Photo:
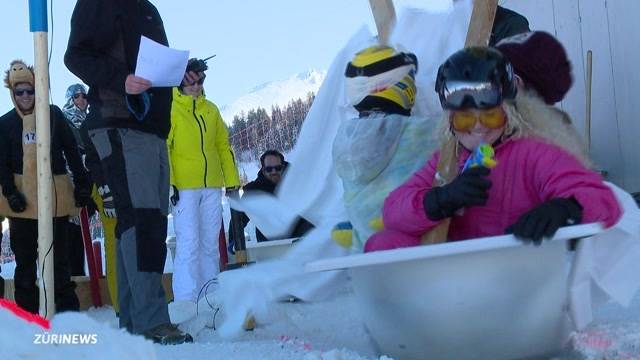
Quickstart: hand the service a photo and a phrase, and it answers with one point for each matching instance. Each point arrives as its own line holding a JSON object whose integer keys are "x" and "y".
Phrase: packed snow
{"x": 329, "y": 330}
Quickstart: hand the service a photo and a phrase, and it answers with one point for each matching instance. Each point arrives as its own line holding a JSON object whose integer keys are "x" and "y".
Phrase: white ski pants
{"x": 196, "y": 220}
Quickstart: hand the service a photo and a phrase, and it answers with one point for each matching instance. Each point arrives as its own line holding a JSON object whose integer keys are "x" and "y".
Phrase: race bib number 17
{"x": 29, "y": 137}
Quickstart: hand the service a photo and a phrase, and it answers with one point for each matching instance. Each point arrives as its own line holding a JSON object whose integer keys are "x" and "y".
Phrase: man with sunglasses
{"x": 534, "y": 189}
{"x": 75, "y": 111}
{"x": 202, "y": 164}
{"x": 272, "y": 167}
{"x": 19, "y": 203}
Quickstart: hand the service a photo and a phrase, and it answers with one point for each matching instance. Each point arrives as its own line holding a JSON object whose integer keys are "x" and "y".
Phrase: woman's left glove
{"x": 546, "y": 219}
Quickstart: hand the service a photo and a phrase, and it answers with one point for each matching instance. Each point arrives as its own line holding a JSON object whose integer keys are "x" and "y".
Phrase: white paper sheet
{"x": 161, "y": 65}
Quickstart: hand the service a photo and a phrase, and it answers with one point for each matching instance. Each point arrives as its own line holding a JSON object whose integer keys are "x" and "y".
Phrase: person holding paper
{"x": 128, "y": 125}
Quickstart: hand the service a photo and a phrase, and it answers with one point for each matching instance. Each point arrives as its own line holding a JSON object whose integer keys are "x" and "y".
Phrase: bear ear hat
{"x": 19, "y": 72}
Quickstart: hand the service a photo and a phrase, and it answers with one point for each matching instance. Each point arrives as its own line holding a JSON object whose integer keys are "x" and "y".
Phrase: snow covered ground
{"x": 329, "y": 330}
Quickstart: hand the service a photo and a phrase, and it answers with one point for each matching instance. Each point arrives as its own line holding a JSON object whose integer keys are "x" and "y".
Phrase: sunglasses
{"x": 493, "y": 118}
{"x": 277, "y": 168}
{"x": 461, "y": 95}
{"x": 23, "y": 92}
{"x": 79, "y": 95}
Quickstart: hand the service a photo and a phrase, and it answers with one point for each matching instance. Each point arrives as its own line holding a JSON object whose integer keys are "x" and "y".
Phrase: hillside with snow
{"x": 278, "y": 92}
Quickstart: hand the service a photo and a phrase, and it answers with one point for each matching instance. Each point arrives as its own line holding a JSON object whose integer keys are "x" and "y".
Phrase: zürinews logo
{"x": 65, "y": 339}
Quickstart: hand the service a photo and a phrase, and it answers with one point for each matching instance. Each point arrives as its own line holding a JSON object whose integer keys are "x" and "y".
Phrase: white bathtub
{"x": 490, "y": 298}
{"x": 265, "y": 250}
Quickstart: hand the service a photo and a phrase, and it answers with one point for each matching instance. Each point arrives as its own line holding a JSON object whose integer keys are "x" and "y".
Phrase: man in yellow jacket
{"x": 202, "y": 163}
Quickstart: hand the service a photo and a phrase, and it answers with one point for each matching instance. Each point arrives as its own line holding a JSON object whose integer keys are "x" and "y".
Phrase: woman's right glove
{"x": 17, "y": 202}
{"x": 469, "y": 188}
{"x": 108, "y": 206}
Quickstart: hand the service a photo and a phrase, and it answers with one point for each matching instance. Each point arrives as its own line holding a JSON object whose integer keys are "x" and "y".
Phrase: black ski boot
{"x": 168, "y": 334}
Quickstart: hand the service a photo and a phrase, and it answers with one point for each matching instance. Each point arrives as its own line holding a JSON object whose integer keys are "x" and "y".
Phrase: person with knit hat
{"x": 379, "y": 149}
{"x": 75, "y": 111}
{"x": 542, "y": 72}
{"x": 533, "y": 189}
{"x": 541, "y": 62}
{"x": 19, "y": 202}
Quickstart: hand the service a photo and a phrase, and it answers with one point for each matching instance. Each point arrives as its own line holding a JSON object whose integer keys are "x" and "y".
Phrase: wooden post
{"x": 478, "y": 34}
{"x": 482, "y": 16}
{"x": 587, "y": 124}
{"x": 38, "y": 25}
{"x": 384, "y": 15}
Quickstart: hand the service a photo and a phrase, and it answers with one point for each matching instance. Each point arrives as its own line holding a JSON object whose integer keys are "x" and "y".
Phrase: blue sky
{"x": 256, "y": 41}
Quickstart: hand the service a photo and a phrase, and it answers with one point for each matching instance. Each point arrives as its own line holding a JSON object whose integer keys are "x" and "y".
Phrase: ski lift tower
{"x": 39, "y": 27}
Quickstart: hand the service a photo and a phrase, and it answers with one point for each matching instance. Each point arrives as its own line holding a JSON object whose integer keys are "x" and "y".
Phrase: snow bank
{"x": 22, "y": 340}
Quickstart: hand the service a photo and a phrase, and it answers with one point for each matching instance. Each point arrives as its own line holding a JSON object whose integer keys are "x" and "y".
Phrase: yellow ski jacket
{"x": 199, "y": 152}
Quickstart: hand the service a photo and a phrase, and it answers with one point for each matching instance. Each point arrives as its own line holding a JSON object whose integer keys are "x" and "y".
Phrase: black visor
{"x": 463, "y": 95}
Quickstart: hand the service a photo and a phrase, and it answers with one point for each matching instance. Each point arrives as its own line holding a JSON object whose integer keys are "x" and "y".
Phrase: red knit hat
{"x": 541, "y": 61}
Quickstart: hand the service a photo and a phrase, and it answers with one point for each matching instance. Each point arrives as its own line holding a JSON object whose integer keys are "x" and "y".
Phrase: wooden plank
{"x": 384, "y": 15}
{"x": 482, "y": 16}
{"x": 83, "y": 290}
{"x": 567, "y": 29}
{"x": 605, "y": 142}
{"x": 624, "y": 37}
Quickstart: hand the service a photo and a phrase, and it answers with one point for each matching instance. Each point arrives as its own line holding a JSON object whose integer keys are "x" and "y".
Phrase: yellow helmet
{"x": 381, "y": 79}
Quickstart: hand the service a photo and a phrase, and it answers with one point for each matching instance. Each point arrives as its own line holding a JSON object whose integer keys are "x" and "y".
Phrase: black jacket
{"x": 103, "y": 50}
{"x": 507, "y": 23}
{"x": 63, "y": 146}
{"x": 261, "y": 183}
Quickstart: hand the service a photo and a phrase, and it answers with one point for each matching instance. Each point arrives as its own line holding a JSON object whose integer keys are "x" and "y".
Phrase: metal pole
{"x": 38, "y": 26}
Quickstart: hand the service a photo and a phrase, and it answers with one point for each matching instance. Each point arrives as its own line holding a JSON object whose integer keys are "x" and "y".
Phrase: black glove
{"x": 175, "y": 197}
{"x": 546, "y": 219}
{"x": 82, "y": 195}
{"x": 91, "y": 207}
{"x": 469, "y": 188}
{"x": 17, "y": 202}
{"x": 108, "y": 206}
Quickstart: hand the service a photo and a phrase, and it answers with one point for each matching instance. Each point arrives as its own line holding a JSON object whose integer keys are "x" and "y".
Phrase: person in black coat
{"x": 507, "y": 23}
{"x": 128, "y": 126}
{"x": 272, "y": 167}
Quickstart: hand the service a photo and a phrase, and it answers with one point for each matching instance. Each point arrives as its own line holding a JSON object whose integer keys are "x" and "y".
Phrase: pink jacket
{"x": 529, "y": 172}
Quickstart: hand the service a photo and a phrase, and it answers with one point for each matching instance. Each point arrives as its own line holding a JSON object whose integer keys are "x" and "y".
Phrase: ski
{"x": 94, "y": 275}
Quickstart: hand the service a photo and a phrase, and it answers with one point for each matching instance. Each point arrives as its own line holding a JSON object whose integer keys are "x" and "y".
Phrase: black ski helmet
{"x": 475, "y": 77}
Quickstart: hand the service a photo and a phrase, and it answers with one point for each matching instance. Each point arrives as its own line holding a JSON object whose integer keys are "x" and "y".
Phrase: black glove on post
{"x": 17, "y": 202}
{"x": 82, "y": 195}
{"x": 546, "y": 219}
{"x": 175, "y": 197}
{"x": 469, "y": 188}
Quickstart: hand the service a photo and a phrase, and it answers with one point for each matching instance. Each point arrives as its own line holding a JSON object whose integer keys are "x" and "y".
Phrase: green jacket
{"x": 199, "y": 152}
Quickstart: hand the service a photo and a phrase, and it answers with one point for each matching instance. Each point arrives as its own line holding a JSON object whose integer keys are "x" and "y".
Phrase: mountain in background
{"x": 278, "y": 92}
